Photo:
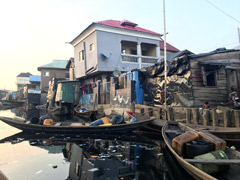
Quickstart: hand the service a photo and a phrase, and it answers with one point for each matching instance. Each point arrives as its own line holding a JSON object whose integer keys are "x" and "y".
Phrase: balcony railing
{"x": 152, "y": 60}
{"x": 129, "y": 58}
{"x": 134, "y": 59}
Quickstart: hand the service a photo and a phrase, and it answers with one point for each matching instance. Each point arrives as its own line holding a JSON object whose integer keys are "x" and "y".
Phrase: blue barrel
{"x": 97, "y": 122}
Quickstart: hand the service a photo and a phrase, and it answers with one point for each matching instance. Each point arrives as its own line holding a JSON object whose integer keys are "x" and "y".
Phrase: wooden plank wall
{"x": 221, "y": 117}
{"x": 219, "y": 93}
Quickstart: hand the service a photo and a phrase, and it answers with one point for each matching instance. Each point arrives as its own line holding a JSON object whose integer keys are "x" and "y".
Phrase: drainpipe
{"x": 139, "y": 54}
{"x": 85, "y": 57}
{"x": 158, "y": 52}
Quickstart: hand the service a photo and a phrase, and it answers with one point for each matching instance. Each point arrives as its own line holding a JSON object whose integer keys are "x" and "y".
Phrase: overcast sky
{"x": 34, "y": 32}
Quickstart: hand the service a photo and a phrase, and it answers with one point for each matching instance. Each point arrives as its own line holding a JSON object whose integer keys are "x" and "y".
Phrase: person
{"x": 206, "y": 105}
{"x": 235, "y": 99}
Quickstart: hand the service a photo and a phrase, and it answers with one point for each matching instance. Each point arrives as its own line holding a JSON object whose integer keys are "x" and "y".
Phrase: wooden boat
{"x": 230, "y": 134}
{"x": 188, "y": 164}
{"x": 86, "y": 115}
{"x": 72, "y": 127}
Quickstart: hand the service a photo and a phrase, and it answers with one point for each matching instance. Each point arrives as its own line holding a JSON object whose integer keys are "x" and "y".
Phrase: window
{"x": 81, "y": 55}
{"x": 46, "y": 73}
{"x": 92, "y": 47}
{"x": 66, "y": 74}
{"x": 209, "y": 75}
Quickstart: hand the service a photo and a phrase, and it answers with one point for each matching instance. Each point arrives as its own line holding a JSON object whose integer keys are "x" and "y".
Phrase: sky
{"x": 35, "y": 32}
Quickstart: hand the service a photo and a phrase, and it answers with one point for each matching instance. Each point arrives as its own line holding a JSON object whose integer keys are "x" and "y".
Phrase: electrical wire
{"x": 216, "y": 47}
{"x": 222, "y": 11}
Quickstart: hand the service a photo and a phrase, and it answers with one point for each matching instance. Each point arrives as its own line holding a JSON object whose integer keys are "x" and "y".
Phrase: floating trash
{"x": 93, "y": 169}
{"x": 38, "y": 172}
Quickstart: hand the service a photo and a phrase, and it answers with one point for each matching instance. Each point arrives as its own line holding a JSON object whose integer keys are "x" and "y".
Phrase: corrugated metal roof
{"x": 35, "y": 79}
{"x": 56, "y": 64}
{"x": 124, "y": 25}
{"x": 169, "y": 47}
{"x": 215, "y": 63}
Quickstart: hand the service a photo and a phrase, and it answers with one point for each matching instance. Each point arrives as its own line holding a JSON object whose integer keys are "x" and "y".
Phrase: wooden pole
{"x": 165, "y": 59}
{"x": 226, "y": 119}
{"x": 205, "y": 117}
{"x": 188, "y": 116}
{"x": 214, "y": 117}
{"x": 195, "y": 115}
{"x": 237, "y": 118}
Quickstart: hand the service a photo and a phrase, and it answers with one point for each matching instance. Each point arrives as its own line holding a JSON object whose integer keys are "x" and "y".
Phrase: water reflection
{"x": 108, "y": 157}
{"x": 114, "y": 160}
{"x": 28, "y": 111}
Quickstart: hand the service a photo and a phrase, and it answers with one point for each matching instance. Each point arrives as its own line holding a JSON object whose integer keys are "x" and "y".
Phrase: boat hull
{"x": 116, "y": 129}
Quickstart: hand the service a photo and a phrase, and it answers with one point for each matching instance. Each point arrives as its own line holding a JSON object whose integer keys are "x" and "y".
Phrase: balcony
{"x": 152, "y": 60}
{"x": 129, "y": 58}
{"x": 134, "y": 59}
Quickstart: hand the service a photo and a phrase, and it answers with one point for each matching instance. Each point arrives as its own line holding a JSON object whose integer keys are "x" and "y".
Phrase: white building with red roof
{"x": 111, "y": 45}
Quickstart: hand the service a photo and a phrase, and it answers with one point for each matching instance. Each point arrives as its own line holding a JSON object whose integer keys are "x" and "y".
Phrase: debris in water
{"x": 40, "y": 171}
{"x": 93, "y": 169}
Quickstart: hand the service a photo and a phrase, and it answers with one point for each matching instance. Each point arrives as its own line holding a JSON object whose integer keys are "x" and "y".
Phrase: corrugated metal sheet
{"x": 35, "y": 78}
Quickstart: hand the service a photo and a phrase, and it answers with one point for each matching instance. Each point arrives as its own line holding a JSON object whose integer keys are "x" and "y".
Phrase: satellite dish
{"x": 116, "y": 73}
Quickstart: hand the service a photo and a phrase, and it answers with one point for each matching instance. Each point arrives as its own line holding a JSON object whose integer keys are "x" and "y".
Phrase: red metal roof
{"x": 125, "y": 24}
{"x": 169, "y": 47}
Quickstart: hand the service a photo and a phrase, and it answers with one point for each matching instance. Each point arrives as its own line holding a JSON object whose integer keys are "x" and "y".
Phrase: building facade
{"x": 111, "y": 46}
{"x": 22, "y": 80}
{"x": 56, "y": 69}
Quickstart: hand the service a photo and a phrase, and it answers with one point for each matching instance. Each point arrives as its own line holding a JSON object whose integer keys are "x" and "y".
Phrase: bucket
{"x": 34, "y": 120}
{"x": 209, "y": 168}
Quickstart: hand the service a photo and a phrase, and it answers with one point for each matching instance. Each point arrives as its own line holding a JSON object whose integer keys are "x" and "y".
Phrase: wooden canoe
{"x": 66, "y": 128}
{"x": 187, "y": 164}
{"x": 230, "y": 134}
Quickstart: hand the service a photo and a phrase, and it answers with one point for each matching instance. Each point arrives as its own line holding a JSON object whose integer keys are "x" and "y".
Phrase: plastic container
{"x": 42, "y": 118}
{"x": 220, "y": 144}
{"x": 133, "y": 120}
{"x": 198, "y": 147}
{"x": 179, "y": 141}
{"x": 97, "y": 122}
{"x": 108, "y": 124}
{"x": 105, "y": 120}
{"x": 48, "y": 122}
{"x": 210, "y": 168}
{"x": 77, "y": 124}
{"x": 117, "y": 119}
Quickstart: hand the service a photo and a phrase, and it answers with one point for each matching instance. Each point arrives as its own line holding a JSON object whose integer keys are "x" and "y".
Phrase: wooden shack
{"x": 193, "y": 79}
{"x": 213, "y": 75}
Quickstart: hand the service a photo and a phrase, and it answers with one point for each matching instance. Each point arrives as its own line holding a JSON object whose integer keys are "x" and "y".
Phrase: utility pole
{"x": 239, "y": 34}
{"x": 165, "y": 61}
